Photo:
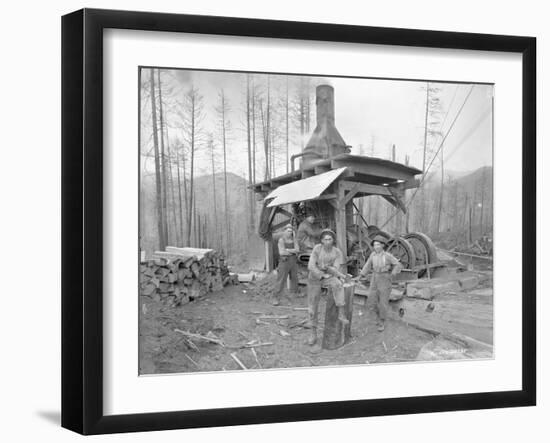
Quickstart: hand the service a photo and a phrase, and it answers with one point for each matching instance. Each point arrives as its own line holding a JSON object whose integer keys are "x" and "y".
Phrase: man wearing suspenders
{"x": 384, "y": 267}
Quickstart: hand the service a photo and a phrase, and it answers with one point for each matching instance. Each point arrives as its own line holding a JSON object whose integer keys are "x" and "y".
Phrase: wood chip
{"x": 256, "y": 357}
{"x": 211, "y": 338}
{"x": 273, "y": 317}
{"x": 192, "y": 361}
{"x": 240, "y": 363}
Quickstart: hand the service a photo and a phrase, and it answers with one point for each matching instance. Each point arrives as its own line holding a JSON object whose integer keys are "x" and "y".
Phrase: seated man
{"x": 325, "y": 271}
{"x": 307, "y": 235}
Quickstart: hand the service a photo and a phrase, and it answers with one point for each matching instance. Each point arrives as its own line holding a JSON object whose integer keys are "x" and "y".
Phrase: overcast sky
{"x": 368, "y": 112}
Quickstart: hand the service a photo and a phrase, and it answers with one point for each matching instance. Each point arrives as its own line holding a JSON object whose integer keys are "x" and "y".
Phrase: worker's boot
{"x": 312, "y": 336}
{"x": 342, "y": 315}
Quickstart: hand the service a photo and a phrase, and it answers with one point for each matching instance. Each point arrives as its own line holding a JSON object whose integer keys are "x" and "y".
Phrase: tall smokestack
{"x": 325, "y": 105}
{"x": 326, "y": 141}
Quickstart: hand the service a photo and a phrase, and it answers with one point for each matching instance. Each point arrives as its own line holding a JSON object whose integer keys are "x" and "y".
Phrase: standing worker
{"x": 384, "y": 267}
{"x": 325, "y": 271}
{"x": 288, "y": 248}
{"x": 307, "y": 235}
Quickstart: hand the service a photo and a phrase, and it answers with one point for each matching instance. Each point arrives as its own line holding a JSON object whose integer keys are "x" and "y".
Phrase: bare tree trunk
{"x": 253, "y": 132}
{"x": 424, "y": 153}
{"x": 160, "y": 213}
{"x": 266, "y": 141}
{"x": 191, "y": 168}
{"x": 195, "y": 224}
{"x": 163, "y": 164}
{"x": 249, "y": 146}
{"x": 185, "y": 196}
{"x": 215, "y": 199}
{"x": 180, "y": 212}
{"x": 226, "y": 204}
{"x": 170, "y": 177}
{"x": 286, "y": 140}
{"x": 482, "y": 201}
{"x": 268, "y": 126}
{"x": 440, "y": 206}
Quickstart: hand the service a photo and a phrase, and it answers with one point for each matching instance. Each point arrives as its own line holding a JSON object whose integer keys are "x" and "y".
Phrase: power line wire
{"x": 433, "y": 158}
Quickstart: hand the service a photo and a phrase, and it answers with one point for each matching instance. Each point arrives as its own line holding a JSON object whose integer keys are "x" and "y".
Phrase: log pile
{"x": 178, "y": 275}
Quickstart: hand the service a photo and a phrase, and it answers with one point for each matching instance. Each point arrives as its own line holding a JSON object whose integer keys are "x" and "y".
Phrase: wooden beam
{"x": 272, "y": 215}
{"x": 269, "y": 266}
{"x": 351, "y": 193}
{"x": 334, "y": 204}
{"x": 285, "y": 212}
{"x": 320, "y": 169}
{"x": 330, "y": 196}
{"x": 397, "y": 197}
{"x": 391, "y": 200}
{"x": 377, "y": 170}
{"x": 365, "y": 188}
{"x": 280, "y": 225}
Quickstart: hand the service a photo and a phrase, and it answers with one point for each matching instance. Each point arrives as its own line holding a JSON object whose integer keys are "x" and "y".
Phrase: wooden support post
{"x": 340, "y": 219}
{"x": 269, "y": 265}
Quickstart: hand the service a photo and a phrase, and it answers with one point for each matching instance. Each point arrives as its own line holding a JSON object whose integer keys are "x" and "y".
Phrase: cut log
{"x": 335, "y": 334}
{"x": 245, "y": 278}
{"x": 465, "y": 314}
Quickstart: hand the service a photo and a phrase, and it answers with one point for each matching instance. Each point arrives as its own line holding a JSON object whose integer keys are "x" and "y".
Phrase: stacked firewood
{"x": 178, "y": 275}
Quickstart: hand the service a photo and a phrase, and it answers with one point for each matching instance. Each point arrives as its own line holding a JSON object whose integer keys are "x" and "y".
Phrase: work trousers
{"x": 314, "y": 287}
{"x": 380, "y": 289}
{"x": 287, "y": 266}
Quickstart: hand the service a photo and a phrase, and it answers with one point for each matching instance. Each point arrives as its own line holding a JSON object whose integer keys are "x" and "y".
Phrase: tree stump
{"x": 334, "y": 335}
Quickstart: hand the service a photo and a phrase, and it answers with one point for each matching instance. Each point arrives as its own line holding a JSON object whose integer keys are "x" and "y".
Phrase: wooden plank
{"x": 366, "y": 188}
{"x": 411, "y": 184}
{"x": 378, "y": 170}
{"x": 330, "y": 196}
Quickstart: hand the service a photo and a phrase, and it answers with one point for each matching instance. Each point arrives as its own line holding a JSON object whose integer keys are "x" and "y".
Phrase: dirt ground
{"x": 232, "y": 315}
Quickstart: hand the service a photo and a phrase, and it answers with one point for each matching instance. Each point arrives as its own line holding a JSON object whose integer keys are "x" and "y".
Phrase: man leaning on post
{"x": 384, "y": 267}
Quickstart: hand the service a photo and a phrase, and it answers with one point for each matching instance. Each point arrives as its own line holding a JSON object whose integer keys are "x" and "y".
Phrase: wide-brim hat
{"x": 328, "y": 232}
{"x": 379, "y": 239}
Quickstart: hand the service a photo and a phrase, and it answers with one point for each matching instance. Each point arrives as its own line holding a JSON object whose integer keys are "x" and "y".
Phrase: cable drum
{"x": 425, "y": 250}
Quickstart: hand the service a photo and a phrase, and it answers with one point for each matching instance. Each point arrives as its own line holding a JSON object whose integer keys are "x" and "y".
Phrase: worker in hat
{"x": 384, "y": 267}
{"x": 325, "y": 271}
{"x": 307, "y": 235}
{"x": 288, "y": 264}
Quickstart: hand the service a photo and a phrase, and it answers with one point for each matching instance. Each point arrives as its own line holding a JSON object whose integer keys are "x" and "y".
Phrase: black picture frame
{"x": 82, "y": 216}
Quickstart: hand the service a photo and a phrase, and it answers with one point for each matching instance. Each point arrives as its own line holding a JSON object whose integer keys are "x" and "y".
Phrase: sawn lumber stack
{"x": 178, "y": 275}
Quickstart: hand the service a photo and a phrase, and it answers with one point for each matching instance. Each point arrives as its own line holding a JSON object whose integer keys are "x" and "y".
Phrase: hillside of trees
{"x": 455, "y": 214}
{"x": 204, "y": 140}
{"x": 212, "y": 226}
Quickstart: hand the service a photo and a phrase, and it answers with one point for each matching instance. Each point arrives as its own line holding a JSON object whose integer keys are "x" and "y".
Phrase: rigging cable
{"x": 433, "y": 158}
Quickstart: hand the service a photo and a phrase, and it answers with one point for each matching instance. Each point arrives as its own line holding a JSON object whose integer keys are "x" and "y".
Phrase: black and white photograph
{"x": 293, "y": 221}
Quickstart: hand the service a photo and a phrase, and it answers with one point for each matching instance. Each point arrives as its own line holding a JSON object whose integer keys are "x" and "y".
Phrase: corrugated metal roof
{"x": 305, "y": 189}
